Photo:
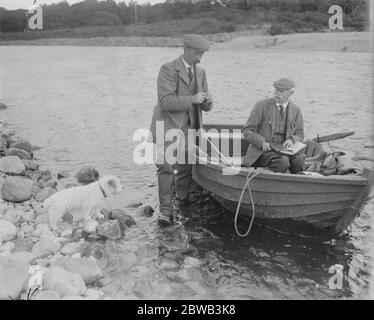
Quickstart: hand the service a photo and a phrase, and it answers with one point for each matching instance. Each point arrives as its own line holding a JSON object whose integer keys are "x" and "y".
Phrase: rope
{"x": 250, "y": 177}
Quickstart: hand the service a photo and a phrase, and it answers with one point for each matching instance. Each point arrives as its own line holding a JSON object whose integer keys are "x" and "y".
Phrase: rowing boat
{"x": 316, "y": 206}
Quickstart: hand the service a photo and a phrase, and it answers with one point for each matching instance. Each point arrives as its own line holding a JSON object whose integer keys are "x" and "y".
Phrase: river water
{"x": 82, "y": 105}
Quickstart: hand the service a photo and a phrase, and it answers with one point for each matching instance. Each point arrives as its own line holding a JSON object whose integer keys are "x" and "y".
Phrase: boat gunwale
{"x": 287, "y": 177}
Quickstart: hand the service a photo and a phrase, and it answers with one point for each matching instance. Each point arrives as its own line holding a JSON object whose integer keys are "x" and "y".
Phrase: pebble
{"x": 90, "y": 226}
{"x": 31, "y": 164}
{"x": 42, "y": 219}
{"x": 12, "y": 165}
{"x": 45, "y": 194}
{"x": 72, "y": 248}
{"x": 17, "y": 188}
{"x": 92, "y": 294}
{"x": 85, "y": 267}
{"x": 169, "y": 265}
{"x": 22, "y": 144}
{"x": 143, "y": 289}
{"x": 8, "y": 247}
{"x": 7, "y": 230}
{"x": 87, "y": 174}
{"x": 45, "y": 247}
{"x": 51, "y": 184}
{"x": 13, "y": 215}
{"x": 67, "y": 233}
{"x": 22, "y": 154}
{"x": 27, "y": 229}
{"x": 146, "y": 211}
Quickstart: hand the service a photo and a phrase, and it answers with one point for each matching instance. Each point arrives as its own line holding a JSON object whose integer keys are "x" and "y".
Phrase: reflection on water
{"x": 82, "y": 106}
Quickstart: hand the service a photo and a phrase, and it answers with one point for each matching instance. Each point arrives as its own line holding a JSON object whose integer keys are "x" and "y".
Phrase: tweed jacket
{"x": 260, "y": 127}
{"x": 175, "y": 91}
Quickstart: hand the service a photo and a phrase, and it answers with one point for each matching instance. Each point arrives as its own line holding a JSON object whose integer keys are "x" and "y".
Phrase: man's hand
{"x": 288, "y": 143}
{"x": 198, "y": 97}
{"x": 209, "y": 97}
{"x": 266, "y": 146}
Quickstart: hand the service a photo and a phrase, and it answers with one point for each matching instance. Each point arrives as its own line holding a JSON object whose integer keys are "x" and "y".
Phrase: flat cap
{"x": 196, "y": 41}
{"x": 284, "y": 84}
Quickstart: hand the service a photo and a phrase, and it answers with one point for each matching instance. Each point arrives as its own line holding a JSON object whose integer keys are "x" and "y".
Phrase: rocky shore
{"x": 41, "y": 264}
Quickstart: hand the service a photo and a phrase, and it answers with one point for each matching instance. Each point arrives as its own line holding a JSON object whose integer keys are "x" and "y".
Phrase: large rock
{"x": 12, "y": 165}
{"x": 125, "y": 219}
{"x": 110, "y": 229}
{"x": 3, "y": 143}
{"x": 146, "y": 211}
{"x": 17, "y": 189}
{"x": 87, "y": 174}
{"x": 64, "y": 282}
{"x": 45, "y": 247}
{"x": 22, "y": 154}
{"x": 7, "y": 230}
{"x": 86, "y": 267}
{"x": 45, "y": 194}
{"x": 23, "y": 145}
{"x": 13, "y": 280}
{"x": 4, "y": 208}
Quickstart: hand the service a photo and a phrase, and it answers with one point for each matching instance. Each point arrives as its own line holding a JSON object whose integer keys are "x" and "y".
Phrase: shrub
{"x": 277, "y": 28}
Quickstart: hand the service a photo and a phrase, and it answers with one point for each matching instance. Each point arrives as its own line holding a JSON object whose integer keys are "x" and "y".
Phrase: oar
{"x": 334, "y": 136}
{"x": 359, "y": 158}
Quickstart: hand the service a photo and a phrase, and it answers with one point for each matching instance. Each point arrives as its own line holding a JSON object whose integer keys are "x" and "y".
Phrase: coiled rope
{"x": 250, "y": 177}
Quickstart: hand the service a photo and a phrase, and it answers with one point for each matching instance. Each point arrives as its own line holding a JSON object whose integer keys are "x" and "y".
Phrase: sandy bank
{"x": 328, "y": 41}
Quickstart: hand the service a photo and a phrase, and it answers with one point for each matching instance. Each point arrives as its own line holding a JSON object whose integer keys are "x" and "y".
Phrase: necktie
{"x": 281, "y": 110}
{"x": 190, "y": 74}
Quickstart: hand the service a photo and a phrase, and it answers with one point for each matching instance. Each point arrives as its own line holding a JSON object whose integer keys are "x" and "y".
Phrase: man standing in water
{"x": 272, "y": 122}
{"x": 178, "y": 90}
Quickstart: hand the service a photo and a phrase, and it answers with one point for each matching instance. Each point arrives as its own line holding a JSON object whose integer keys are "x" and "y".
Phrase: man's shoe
{"x": 165, "y": 219}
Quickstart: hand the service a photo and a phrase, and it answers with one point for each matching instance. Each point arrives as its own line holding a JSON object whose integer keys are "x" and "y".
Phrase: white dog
{"x": 82, "y": 201}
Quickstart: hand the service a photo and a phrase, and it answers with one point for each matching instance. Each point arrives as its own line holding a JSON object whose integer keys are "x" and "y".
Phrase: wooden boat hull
{"x": 318, "y": 207}
{"x": 313, "y": 206}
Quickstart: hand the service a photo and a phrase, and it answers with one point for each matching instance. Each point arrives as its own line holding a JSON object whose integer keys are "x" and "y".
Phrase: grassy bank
{"x": 218, "y": 21}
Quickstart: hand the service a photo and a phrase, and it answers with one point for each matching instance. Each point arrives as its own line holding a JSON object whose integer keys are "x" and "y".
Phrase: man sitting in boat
{"x": 275, "y": 123}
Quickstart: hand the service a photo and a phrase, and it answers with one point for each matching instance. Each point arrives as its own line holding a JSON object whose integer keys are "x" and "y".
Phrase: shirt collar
{"x": 187, "y": 65}
{"x": 285, "y": 105}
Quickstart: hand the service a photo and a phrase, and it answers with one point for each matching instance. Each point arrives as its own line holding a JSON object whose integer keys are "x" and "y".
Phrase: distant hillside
{"x": 92, "y": 18}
